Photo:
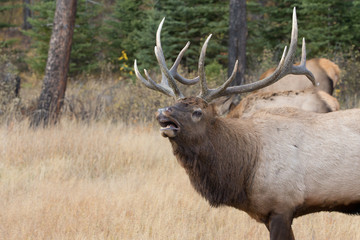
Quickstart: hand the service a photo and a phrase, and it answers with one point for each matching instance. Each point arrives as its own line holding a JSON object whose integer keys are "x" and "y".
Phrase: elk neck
{"x": 221, "y": 164}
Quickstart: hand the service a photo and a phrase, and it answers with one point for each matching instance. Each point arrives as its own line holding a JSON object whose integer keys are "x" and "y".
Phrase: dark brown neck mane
{"x": 220, "y": 174}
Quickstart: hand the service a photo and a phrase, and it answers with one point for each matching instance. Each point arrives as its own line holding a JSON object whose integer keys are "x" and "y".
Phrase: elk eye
{"x": 196, "y": 115}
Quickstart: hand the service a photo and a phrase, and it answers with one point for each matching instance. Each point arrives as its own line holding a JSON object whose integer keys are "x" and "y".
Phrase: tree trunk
{"x": 237, "y": 39}
{"x": 57, "y": 66}
{"x": 26, "y": 14}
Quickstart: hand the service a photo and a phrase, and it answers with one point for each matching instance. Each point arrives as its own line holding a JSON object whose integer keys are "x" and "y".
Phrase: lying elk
{"x": 293, "y": 91}
{"x": 272, "y": 165}
{"x": 326, "y": 73}
{"x": 308, "y": 100}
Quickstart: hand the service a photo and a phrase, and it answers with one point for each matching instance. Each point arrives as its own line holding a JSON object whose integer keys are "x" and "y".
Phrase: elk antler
{"x": 285, "y": 67}
{"x": 168, "y": 76}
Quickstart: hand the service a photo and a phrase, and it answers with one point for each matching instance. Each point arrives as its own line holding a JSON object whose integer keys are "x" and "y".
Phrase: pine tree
{"x": 145, "y": 39}
{"x": 86, "y": 45}
{"x": 6, "y": 7}
{"x": 55, "y": 80}
{"x": 40, "y": 34}
{"x": 133, "y": 25}
{"x": 355, "y": 24}
{"x": 325, "y": 24}
{"x": 120, "y": 29}
{"x": 328, "y": 26}
{"x": 193, "y": 21}
{"x": 275, "y": 26}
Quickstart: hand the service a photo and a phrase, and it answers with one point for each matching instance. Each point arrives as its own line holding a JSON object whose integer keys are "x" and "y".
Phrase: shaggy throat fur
{"x": 206, "y": 176}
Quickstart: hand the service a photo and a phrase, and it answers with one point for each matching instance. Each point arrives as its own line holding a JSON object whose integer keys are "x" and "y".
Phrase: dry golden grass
{"x": 106, "y": 181}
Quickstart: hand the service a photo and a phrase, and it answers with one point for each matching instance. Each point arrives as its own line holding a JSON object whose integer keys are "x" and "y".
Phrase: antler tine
{"x": 161, "y": 60}
{"x": 303, "y": 53}
{"x": 172, "y": 74}
{"x": 215, "y": 93}
{"x": 203, "y": 84}
{"x": 168, "y": 85}
{"x": 139, "y": 76}
{"x": 301, "y": 69}
{"x": 285, "y": 67}
{"x": 174, "y": 68}
{"x": 207, "y": 93}
{"x": 163, "y": 88}
{"x": 159, "y": 87}
{"x": 286, "y": 62}
{"x": 289, "y": 68}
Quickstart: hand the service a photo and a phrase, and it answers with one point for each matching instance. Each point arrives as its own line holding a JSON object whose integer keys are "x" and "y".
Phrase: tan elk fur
{"x": 295, "y": 170}
{"x": 308, "y": 100}
{"x": 326, "y": 73}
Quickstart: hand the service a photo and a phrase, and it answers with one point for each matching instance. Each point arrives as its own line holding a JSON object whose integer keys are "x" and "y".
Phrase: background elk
{"x": 272, "y": 165}
{"x": 326, "y": 73}
{"x": 311, "y": 100}
{"x": 291, "y": 91}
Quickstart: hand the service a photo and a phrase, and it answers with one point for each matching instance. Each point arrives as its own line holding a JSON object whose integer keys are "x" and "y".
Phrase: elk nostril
{"x": 163, "y": 111}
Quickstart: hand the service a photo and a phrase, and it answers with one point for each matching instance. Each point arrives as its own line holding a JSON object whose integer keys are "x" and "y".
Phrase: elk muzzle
{"x": 169, "y": 127}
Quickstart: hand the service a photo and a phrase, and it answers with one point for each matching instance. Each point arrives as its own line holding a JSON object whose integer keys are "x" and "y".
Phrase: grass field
{"x": 107, "y": 181}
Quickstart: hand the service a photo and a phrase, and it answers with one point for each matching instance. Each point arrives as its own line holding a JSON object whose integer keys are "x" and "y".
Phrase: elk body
{"x": 326, "y": 73}
{"x": 276, "y": 164}
{"x": 295, "y": 91}
{"x": 311, "y": 100}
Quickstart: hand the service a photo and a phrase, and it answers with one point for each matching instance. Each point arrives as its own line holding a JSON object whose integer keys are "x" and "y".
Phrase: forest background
{"x": 110, "y": 34}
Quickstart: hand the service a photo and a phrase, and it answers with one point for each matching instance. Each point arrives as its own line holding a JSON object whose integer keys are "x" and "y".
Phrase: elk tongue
{"x": 169, "y": 131}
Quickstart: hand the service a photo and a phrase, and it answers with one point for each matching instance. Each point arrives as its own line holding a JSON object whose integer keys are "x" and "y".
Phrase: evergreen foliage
{"x": 133, "y": 25}
{"x": 326, "y": 25}
{"x": 117, "y": 32}
{"x": 120, "y": 29}
{"x": 329, "y": 26}
{"x": 193, "y": 21}
{"x": 85, "y": 48}
{"x": 145, "y": 39}
{"x": 40, "y": 34}
{"x": 7, "y": 6}
{"x": 355, "y": 24}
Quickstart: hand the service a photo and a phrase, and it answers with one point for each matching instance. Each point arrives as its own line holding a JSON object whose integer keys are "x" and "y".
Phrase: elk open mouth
{"x": 168, "y": 128}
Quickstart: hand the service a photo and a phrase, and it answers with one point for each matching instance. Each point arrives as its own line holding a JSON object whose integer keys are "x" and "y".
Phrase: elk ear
{"x": 225, "y": 104}
{"x": 196, "y": 114}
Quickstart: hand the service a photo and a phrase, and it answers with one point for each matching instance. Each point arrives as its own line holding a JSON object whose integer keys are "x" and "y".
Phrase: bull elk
{"x": 272, "y": 165}
{"x": 326, "y": 73}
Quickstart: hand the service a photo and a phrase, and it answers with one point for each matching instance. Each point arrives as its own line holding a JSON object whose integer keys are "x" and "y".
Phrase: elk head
{"x": 191, "y": 116}
{"x": 188, "y": 116}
